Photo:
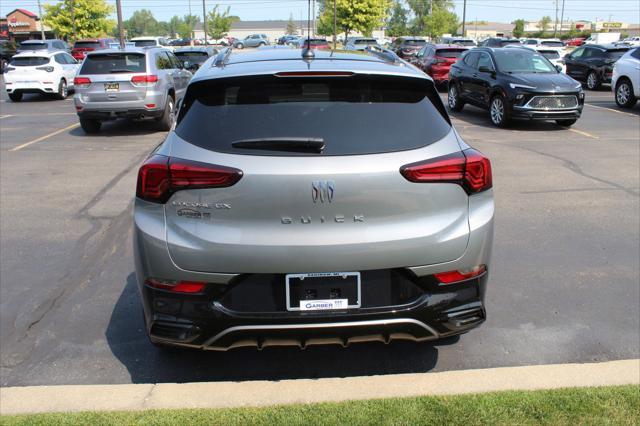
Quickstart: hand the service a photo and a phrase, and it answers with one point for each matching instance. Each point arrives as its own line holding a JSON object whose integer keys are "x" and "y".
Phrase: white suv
{"x": 625, "y": 81}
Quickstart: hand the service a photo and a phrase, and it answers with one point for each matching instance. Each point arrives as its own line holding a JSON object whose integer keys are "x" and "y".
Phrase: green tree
{"x": 89, "y": 18}
{"x": 440, "y": 21}
{"x": 219, "y": 23}
{"x": 421, "y": 8}
{"x": 544, "y": 23}
{"x": 141, "y": 23}
{"x": 292, "y": 28}
{"x": 173, "y": 25}
{"x": 363, "y": 16}
{"x": 397, "y": 23}
{"x": 518, "y": 29}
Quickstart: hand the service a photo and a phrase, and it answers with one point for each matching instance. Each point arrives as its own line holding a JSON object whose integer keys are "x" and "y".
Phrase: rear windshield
{"x": 552, "y": 43}
{"x": 414, "y": 42}
{"x": 449, "y": 53}
{"x": 33, "y": 46}
{"x": 508, "y": 42}
{"x": 365, "y": 41}
{"x": 317, "y": 42}
{"x": 464, "y": 42}
{"x": 190, "y": 56}
{"x": 615, "y": 54}
{"x": 87, "y": 44}
{"x": 112, "y": 63}
{"x": 29, "y": 61}
{"x": 143, "y": 43}
{"x": 345, "y": 112}
{"x": 550, "y": 54}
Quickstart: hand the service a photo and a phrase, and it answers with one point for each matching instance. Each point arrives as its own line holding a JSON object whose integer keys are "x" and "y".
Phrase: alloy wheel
{"x": 623, "y": 93}
{"x": 592, "y": 81}
{"x": 497, "y": 111}
{"x": 453, "y": 97}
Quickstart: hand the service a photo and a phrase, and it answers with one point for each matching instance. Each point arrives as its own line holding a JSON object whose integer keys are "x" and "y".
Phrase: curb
{"x": 41, "y": 399}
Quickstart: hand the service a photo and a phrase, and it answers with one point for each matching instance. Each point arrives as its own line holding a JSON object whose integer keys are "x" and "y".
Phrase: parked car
{"x": 593, "y": 64}
{"x": 193, "y": 57}
{"x": 40, "y": 71}
{"x": 81, "y": 47}
{"x": 132, "y": 82}
{"x": 7, "y": 50}
{"x": 252, "y": 40}
{"x": 578, "y": 41}
{"x": 625, "y": 80}
{"x": 602, "y": 38}
{"x": 459, "y": 41}
{"x": 436, "y": 60}
{"x": 514, "y": 83}
{"x": 406, "y": 47}
{"x": 50, "y": 45}
{"x": 499, "y": 42}
{"x": 544, "y": 42}
{"x": 315, "y": 43}
{"x": 149, "y": 41}
{"x": 182, "y": 42}
{"x": 361, "y": 43}
{"x": 226, "y": 258}
{"x": 629, "y": 41}
{"x": 287, "y": 40}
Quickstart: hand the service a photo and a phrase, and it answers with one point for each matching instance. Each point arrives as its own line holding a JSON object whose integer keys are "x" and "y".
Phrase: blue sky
{"x": 488, "y": 10}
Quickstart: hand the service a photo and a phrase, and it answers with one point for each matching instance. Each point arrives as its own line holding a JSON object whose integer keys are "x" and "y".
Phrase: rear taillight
{"x": 161, "y": 176}
{"x": 81, "y": 81}
{"x": 469, "y": 169}
{"x": 452, "y": 277}
{"x": 177, "y": 286}
{"x": 144, "y": 80}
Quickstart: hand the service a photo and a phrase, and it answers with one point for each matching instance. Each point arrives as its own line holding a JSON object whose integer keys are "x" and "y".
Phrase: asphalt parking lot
{"x": 564, "y": 283}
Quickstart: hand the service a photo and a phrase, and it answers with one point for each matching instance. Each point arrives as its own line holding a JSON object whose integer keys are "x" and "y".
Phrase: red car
{"x": 316, "y": 43}
{"x": 436, "y": 60}
{"x": 578, "y": 41}
{"x": 81, "y": 47}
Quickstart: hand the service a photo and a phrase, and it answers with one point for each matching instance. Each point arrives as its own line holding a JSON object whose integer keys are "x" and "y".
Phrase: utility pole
{"x": 314, "y": 17}
{"x": 555, "y": 26}
{"x": 562, "y": 17}
{"x": 41, "y": 21}
{"x": 204, "y": 21}
{"x": 120, "y": 26}
{"x": 335, "y": 26}
{"x": 464, "y": 16}
{"x": 189, "y": 8}
{"x": 73, "y": 19}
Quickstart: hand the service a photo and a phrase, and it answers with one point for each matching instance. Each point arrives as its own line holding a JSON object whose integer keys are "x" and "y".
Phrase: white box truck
{"x": 602, "y": 38}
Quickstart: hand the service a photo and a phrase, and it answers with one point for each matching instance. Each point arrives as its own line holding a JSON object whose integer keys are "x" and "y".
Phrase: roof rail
{"x": 222, "y": 57}
{"x": 384, "y": 54}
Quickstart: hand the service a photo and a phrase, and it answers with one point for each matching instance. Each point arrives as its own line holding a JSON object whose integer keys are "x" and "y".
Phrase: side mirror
{"x": 186, "y": 64}
{"x": 559, "y": 68}
{"x": 484, "y": 68}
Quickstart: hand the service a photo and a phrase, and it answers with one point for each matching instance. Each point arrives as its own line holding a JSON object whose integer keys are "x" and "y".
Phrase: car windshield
{"x": 504, "y": 43}
{"x": 519, "y": 61}
{"x": 28, "y": 61}
{"x": 552, "y": 43}
{"x": 533, "y": 42}
{"x": 342, "y": 111}
{"x": 366, "y": 41}
{"x": 615, "y": 54}
{"x": 464, "y": 42}
{"x": 192, "y": 56}
{"x": 87, "y": 44}
{"x": 110, "y": 63}
{"x": 449, "y": 53}
{"x": 414, "y": 42}
{"x": 33, "y": 46}
{"x": 317, "y": 42}
{"x": 550, "y": 54}
{"x": 144, "y": 43}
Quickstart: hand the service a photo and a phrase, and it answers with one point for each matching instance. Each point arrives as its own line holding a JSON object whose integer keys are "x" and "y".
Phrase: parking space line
{"x": 612, "y": 110}
{"x": 6, "y": 116}
{"x": 41, "y": 138}
{"x": 580, "y": 132}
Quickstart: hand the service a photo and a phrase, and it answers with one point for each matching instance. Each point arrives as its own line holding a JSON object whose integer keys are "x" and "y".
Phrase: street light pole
{"x": 204, "y": 21}
{"x": 73, "y": 19}
{"x": 120, "y": 26}
{"x": 464, "y": 16}
{"x": 41, "y": 20}
{"x": 561, "y": 17}
{"x": 335, "y": 26}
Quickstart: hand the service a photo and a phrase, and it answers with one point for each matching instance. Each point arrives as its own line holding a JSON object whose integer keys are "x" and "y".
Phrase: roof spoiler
{"x": 384, "y": 54}
{"x": 222, "y": 57}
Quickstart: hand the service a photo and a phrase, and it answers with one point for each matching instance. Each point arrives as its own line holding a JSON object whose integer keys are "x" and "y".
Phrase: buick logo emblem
{"x": 322, "y": 191}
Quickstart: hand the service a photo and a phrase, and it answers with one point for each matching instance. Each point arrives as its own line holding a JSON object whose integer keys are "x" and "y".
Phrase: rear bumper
{"x": 118, "y": 113}
{"x": 38, "y": 87}
{"x": 546, "y": 115}
{"x": 110, "y": 110}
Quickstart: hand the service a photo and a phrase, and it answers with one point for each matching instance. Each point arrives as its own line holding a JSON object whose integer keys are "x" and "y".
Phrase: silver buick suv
{"x": 345, "y": 209}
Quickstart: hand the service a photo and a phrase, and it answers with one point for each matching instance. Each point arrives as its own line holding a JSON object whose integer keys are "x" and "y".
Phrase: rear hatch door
{"x": 111, "y": 75}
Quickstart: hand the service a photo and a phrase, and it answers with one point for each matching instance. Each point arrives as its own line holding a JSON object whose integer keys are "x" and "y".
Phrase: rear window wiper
{"x": 287, "y": 144}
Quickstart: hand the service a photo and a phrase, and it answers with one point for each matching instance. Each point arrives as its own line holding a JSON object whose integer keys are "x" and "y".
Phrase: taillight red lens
{"x": 144, "y": 80}
{"x": 81, "y": 81}
{"x": 452, "y": 277}
{"x": 469, "y": 169}
{"x": 177, "y": 286}
{"x": 161, "y": 176}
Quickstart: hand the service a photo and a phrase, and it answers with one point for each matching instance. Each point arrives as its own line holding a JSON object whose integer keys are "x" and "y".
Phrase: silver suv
{"x": 252, "y": 40}
{"x": 318, "y": 222}
{"x": 133, "y": 82}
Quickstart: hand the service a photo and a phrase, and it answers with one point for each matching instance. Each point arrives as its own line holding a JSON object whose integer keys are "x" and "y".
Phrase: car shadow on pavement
{"x": 120, "y": 127}
{"x": 147, "y": 364}
{"x": 480, "y": 117}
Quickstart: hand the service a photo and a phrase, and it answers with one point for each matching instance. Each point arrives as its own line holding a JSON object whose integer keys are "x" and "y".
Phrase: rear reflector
{"x": 160, "y": 176}
{"x": 144, "y": 80}
{"x": 81, "y": 81}
{"x": 469, "y": 169}
{"x": 453, "y": 277}
{"x": 149, "y": 106}
{"x": 177, "y": 286}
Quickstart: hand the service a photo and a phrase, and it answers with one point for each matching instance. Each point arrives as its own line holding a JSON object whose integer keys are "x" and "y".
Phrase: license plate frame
{"x": 111, "y": 87}
{"x": 323, "y": 281}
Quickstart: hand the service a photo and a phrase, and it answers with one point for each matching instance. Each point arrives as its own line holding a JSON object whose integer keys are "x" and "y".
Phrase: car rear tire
{"x": 239, "y": 46}
{"x": 15, "y": 97}
{"x": 566, "y": 123}
{"x": 593, "y": 81}
{"x": 499, "y": 111}
{"x": 63, "y": 90}
{"x": 624, "y": 94}
{"x": 90, "y": 126}
{"x": 165, "y": 123}
{"x": 453, "y": 98}
{"x": 262, "y": 44}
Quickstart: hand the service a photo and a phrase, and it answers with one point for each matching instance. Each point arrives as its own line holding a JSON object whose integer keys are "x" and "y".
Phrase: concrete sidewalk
{"x": 38, "y": 399}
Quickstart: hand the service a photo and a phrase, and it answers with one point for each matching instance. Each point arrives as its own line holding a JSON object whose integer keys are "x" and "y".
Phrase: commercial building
{"x": 22, "y": 24}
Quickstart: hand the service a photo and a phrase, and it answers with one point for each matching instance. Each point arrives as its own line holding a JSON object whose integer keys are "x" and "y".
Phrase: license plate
{"x": 324, "y": 291}
{"x": 112, "y": 87}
